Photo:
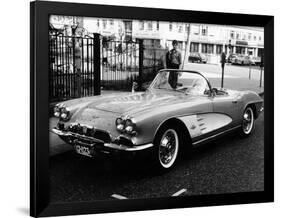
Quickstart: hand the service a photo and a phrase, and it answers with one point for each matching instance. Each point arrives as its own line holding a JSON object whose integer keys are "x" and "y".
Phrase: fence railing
{"x": 72, "y": 66}
{"x": 81, "y": 66}
{"x": 120, "y": 64}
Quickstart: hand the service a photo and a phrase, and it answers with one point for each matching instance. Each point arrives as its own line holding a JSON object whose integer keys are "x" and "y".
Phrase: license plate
{"x": 83, "y": 150}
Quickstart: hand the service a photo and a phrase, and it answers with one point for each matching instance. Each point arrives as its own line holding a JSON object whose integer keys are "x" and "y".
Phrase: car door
{"x": 228, "y": 105}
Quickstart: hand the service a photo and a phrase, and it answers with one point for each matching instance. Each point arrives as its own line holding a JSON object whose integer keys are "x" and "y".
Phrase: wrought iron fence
{"x": 126, "y": 61}
{"x": 72, "y": 67}
{"x": 80, "y": 66}
{"x": 153, "y": 61}
{"x": 120, "y": 64}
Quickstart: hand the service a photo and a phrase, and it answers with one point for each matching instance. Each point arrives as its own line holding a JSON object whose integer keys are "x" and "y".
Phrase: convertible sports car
{"x": 180, "y": 110}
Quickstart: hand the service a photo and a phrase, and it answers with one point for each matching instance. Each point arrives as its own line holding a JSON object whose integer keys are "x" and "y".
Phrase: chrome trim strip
{"x": 107, "y": 145}
{"x": 62, "y": 133}
{"x": 127, "y": 148}
{"x": 213, "y": 136}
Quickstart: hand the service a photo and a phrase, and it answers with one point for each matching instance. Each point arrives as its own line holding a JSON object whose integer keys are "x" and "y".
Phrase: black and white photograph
{"x": 143, "y": 109}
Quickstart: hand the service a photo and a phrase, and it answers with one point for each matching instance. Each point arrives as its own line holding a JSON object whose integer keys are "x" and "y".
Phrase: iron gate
{"x": 74, "y": 66}
{"x": 120, "y": 64}
{"x": 126, "y": 61}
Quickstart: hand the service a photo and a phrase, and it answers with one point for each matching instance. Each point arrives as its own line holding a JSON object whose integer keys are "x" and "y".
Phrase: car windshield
{"x": 181, "y": 81}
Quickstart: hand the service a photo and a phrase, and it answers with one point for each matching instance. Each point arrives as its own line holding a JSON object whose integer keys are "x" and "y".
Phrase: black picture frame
{"x": 39, "y": 109}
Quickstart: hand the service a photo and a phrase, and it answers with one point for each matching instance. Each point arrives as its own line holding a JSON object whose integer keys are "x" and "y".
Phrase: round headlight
{"x": 63, "y": 115}
{"x": 129, "y": 129}
{"x": 119, "y": 121}
{"x": 64, "y": 110}
{"x": 129, "y": 122}
{"x": 120, "y": 127}
{"x": 130, "y": 126}
{"x": 56, "y": 111}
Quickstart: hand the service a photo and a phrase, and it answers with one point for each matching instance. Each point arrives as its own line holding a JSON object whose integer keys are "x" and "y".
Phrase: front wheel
{"x": 167, "y": 145}
{"x": 247, "y": 122}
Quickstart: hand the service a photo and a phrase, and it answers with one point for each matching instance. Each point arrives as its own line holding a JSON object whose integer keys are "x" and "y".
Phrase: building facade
{"x": 210, "y": 40}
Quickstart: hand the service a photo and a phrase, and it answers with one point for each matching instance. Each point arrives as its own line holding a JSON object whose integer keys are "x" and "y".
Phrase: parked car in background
{"x": 231, "y": 58}
{"x": 166, "y": 120}
{"x": 197, "y": 58}
{"x": 256, "y": 61}
{"x": 243, "y": 60}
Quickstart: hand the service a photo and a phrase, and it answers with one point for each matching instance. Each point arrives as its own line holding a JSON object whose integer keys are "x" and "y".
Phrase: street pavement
{"x": 232, "y": 164}
{"x": 235, "y": 77}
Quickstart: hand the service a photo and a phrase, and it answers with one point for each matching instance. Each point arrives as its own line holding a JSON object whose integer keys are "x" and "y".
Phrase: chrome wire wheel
{"x": 248, "y": 121}
{"x": 168, "y": 148}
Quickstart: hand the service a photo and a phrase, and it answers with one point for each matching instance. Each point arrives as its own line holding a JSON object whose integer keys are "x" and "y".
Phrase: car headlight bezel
{"x": 65, "y": 114}
{"x": 57, "y": 111}
{"x": 62, "y": 112}
{"x": 125, "y": 124}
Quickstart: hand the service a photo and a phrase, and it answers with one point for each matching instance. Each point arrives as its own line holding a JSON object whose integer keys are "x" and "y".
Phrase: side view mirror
{"x": 214, "y": 91}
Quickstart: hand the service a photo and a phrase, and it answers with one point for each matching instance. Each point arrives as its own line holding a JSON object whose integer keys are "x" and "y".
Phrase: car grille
{"x": 90, "y": 132}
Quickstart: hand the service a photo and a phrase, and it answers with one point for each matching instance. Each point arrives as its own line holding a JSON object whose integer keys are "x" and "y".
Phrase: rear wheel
{"x": 247, "y": 122}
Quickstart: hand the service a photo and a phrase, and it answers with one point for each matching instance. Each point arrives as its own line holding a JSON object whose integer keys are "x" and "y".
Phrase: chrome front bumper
{"x": 112, "y": 146}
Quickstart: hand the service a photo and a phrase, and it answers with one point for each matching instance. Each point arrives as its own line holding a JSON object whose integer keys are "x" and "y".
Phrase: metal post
{"x": 222, "y": 67}
{"x": 141, "y": 50}
{"x": 222, "y": 75}
{"x": 97, "y": 65}
{"x": 261, "y": 77}
{"x": 250, "y": 71}
{"x": 73, "y": 65}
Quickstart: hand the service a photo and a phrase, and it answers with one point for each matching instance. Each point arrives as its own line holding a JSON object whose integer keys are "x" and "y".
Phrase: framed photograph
{"x": 142, "y": 109}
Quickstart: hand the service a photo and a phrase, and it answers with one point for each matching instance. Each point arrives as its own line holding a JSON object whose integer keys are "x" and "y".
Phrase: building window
{"x": 180, "y": 28}
{"x": 196, "y": 30}
{"x": 141, "y": 25}
{"x": 219, "y": 49}
{"x": 210, "y": 49}
{"x": 244, "y": 37}
{"x": 157, "y": 25}
{"x": 194, "y": 47}
{"x": 104, "y": 23}
{"x": 249, "y": 36}
{"x": 260, "y": 52}
{"x": 204, "y": 30}
{"x": 204, "y": 48}
{"x": 111, "y": 22}
{"x": 255, "y": 38}
{"x": 259, "y": 38}
{"x": 186, "y": 28}
{"x": 240, "y": 50}
{"x": 149, "y": 25}
{"x": 128, "y": 26}
{"x": 207, "y": 48}
{"x": 171, "y": 27}
{"x": 98, "y": 23}
{"x": 232, "y": 34}
{"x": 237, "y": 36}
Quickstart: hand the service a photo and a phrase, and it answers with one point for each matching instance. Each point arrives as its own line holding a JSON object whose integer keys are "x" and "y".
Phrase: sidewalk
{"x": 240, "y": 84}
{"x": 58, "y": 146}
